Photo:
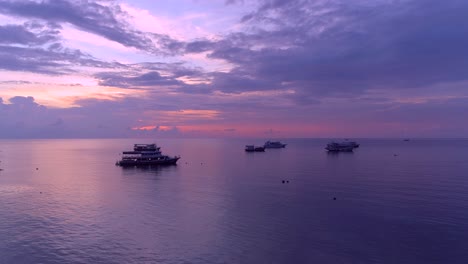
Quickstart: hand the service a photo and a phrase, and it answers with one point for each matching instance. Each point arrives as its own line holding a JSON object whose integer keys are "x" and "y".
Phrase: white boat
{"x": 274, "y": 144}
{"x": 144, "y": 155}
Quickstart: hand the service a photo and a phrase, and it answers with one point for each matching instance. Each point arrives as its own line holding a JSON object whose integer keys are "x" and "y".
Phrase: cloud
{"x": 231, "y": 2}
{"x": 158, "y": 77}
{"x": 199, "y": 46}
{"x": 23, "y": 118}
{"x": 150, "y": 79}
{"x": 325, "y": 48}
{"x": 366, "y": 67}
{"x": 36, "y": 47}
{"x": 53, "y": 60}
{"x": 21, "y": 34}
{"x": 105, "y": 19}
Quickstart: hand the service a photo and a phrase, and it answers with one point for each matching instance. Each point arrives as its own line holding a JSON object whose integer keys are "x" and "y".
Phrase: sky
{"x": 233, "y": 68}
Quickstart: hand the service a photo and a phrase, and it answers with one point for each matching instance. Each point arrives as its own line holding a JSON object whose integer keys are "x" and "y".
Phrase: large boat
{"x": 351, "y": 143}
{"x": 145, "y": 154}
{"x": 347, "y": 146}
{"x": 252, "y": 148}
{"x": 274, "y": 144}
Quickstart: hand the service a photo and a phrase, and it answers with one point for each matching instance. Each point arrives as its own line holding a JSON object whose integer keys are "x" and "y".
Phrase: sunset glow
{"x": 233, "y": 68}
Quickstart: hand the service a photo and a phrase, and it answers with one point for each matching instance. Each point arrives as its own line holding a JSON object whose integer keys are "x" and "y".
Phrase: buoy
{"x": 334, "y": 198}
{"x": 283, "y": 181}
{"x": 37, "y": 168}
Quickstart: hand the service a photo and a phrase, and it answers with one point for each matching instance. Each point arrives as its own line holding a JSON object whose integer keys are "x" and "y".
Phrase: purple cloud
{"x": 91, "y": 16}
{"x": 361, "y": 65}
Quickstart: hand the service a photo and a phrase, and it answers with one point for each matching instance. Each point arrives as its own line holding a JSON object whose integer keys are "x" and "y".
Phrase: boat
{"x": 144, "y": 155}
{"x": 252, "y": 148}
{"x": 353, "y": 144}
{"x": 341, "y": 147}
{"x": 274, "y": 144}
{"x": 406, "y": 139}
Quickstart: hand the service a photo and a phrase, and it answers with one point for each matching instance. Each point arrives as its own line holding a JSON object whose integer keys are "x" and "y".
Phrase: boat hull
{"x": 276, "y": 146}
{"x": 256, "y": 150}
{"x": 347, "y": 149}
{"x": 135, "y": 162}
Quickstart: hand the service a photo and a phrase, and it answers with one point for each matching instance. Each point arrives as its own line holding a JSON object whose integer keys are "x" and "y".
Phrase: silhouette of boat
{"x": 341, "y": 146}
{"x": 145, "y": 154}
{"x": 274, "y": 144}
{"x": 252, "y": 148}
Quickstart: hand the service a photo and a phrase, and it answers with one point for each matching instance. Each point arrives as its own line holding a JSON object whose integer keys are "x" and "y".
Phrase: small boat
{"x": 406, "y": 139}
{"x": 252, "y": 148}
{"x": 144, "y": 155}
{"x": 274, "y": 144}
{"x": 340, "y": 147}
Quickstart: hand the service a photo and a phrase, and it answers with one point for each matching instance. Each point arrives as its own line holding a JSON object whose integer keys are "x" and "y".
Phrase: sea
{"x": 390, "y": 201}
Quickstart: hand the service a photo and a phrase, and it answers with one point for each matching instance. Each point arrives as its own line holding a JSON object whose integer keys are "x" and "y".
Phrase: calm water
{"x": 222, "y": 205}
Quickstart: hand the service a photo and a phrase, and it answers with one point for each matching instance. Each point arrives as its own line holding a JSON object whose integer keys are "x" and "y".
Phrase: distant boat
{"x": 337, "y": 147}
{"x": 406, "y": 139}
{"x": 252, "y": 148}
{"x": 342, "y": 146}
{"x": 354, "y": 144}
{"x": 144, "y": 155}
{"x": 274, "y": 144}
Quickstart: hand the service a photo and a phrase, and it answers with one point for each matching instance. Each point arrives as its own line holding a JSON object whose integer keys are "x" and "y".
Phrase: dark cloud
{"x": 19, "y": 34}
{"x": 329, "y": 47}
{"x": 22, "y": 117}
{"x": 107, "y": 21}
{"x": 241, "y": 80}
{"x": 35, "y": 47}
{"x": 199, "y": 46}
{"x": 153, "y": 76}
{"x": 174, "y": 69}
{"x": 149, "y": 79}
{"x": 54, "y": 60}
{"x": 335, "y": 64}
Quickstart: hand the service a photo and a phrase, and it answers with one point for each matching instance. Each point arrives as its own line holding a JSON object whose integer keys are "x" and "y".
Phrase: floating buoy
{"x": 334, "y": 198}
{"x": 37, "y": 168}
{"x": 283, "y": 181}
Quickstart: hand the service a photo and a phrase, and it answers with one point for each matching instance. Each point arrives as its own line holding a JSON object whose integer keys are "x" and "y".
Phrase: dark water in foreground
{"x": 222, "y": 205}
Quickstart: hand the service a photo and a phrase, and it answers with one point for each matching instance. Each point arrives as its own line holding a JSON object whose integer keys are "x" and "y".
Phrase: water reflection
{"x": 227, "y": 207}
{"x": 149, "y": 168}
{"x": 338, "y": 153}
